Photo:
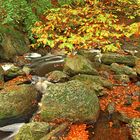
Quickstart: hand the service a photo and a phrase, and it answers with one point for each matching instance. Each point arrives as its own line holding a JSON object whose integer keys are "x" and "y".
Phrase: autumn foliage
{"x": 119, "y": 95}
{"x": 77, "y": 132}
{"x": 87, "y": 26}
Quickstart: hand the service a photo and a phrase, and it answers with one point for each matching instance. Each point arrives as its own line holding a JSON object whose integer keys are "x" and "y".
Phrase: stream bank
{"x": 114, "y": 80}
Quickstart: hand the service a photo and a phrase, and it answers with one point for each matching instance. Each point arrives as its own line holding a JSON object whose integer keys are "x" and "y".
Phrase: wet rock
{"x": 109, "y": 58}
{"x": 13, "y": 72}
{"x": 12, "y": 43}
{"x": 122, "y": 69}
{"x": 48, "y": 63}
{"x": 33, "y": 131}
{"x": 79, "y": 64}
{"x": 1, "y": 77}
{"x": 134, "y": 126}
{"x": 122, "y": 78}
{"x": 17, "y": 102}
{"x": 57, "y": 76}
{"x": 71, "y": 101}
{"x": 91, "y": 79}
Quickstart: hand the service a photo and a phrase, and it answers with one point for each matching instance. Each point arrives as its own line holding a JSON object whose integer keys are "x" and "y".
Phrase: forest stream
{"x": 119, "y": 100}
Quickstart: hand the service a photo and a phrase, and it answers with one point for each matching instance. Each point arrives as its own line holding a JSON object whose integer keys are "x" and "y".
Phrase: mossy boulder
{"x": 71, "y": 101}
{"x": 13, "y": 72}
{"x": 17, "y": 102}
{"x": 122, "y": 69}
{"x": 109, "y": 58}
{"x": 79, "y": 64}
{"x": 88, "y": 81}
{"x": 33, "y": 131}
{"x": 91, "y": 79}
{"x": 57, "y": 76}
{"x": 12, "y": 43}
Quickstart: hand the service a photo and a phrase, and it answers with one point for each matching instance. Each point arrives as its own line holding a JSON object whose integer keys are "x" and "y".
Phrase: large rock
{"x": 17, "y": 102}
{"x": 122, "y": 69}
{"x": 71, "y": 101}
{"x": 48, "y": 63}
{"x": 109, "y": 58}
{"x": 13, "y": 72}
{"x": 57, "y": 76}
{"x": 33, "y": 131}
{"x": 79, "y": 64}
{"x": 95, "y": 80}
{"x": 12, "y": 43}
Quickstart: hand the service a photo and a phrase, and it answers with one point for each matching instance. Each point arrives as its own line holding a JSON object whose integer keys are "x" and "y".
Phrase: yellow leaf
{"x": 44, "y": 41}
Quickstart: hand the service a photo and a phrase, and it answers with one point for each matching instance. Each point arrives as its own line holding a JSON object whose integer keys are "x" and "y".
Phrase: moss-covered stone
{"x": 57, "y": 76}
{"x": 12, "y": 43}
{"x": 79, "y": 64}
{"x": 90, "y": 83}
{"x": 95, "y": 80}
{"x": 109, "y": 58}
{"x": 122, "y": 69}
{"x": 17, "y": 101}
{"x": 33, "y": 131}
{"x": 71, "y": 101}
{"x": 13, "y": 72}
{"x": 91, "y": 55}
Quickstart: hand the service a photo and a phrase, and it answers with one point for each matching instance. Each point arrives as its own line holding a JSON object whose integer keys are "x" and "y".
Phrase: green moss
{"x": 14, "y": 101}
{"x": 71, "y": 100}
{"x": 33, "y": 131}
